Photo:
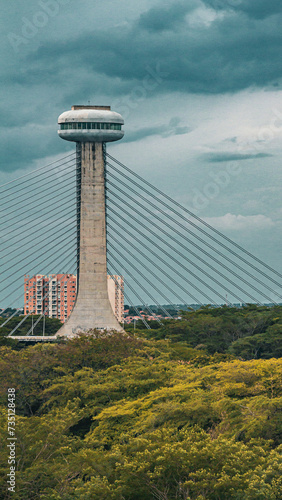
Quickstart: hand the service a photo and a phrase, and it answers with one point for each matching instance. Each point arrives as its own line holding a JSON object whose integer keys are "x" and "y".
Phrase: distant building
{"x": 9, "y": 311}
{"x": 55, "y": 295}
{"x": 116, "y": 295}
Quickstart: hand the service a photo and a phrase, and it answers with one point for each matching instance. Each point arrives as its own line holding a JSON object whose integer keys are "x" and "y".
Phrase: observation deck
{"x": 90, "y": 124}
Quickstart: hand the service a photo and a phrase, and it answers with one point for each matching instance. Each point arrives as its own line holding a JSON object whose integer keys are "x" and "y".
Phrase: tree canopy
{"x": 127, "y": 417}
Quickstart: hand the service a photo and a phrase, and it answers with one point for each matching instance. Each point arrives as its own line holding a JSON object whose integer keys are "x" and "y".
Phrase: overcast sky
{"x": 198, "y": 83}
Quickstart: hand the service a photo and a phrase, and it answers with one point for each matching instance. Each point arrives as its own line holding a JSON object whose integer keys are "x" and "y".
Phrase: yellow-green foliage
{"x": 120, "y": 418}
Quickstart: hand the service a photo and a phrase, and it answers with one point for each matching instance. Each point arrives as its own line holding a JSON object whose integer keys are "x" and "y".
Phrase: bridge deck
{"x": 33, "y": 338}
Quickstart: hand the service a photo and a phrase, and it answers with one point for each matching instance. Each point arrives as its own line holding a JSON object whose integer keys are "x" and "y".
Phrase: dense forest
{"x": 189, "y": 410}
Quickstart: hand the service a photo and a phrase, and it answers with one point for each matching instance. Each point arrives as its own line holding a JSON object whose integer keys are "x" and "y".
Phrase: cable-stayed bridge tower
{"x": 91, "y": 127}
{"x": 91, "y": 215}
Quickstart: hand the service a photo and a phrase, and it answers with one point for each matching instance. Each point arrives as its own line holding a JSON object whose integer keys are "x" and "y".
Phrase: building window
{"x": 90, "y": 125}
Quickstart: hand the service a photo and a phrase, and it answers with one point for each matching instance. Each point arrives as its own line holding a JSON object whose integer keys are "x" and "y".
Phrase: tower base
{"x": 78, "y": 323}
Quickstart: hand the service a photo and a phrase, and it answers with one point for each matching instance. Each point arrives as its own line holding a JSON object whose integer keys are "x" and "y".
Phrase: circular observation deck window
{"x": 90, "y": 126}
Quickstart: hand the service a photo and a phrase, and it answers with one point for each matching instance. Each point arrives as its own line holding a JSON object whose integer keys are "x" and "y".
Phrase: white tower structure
{"x": 90, "y": 127}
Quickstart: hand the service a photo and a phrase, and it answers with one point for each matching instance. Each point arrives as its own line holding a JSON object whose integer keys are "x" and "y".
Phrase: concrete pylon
{"x": 92, "y": 308}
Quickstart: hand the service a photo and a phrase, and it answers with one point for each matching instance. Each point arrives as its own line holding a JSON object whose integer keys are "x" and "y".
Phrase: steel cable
{"x": 152, "y": 262}
{"x": 149, "y": 270}
{"x": 127, "y": 298}
{"x": 39, "y": 216}
{"x": 35, "y": 200}
{"x": 134, "y": 279}
{"x": 72, "y": 219}
{"x": 10, "y": 305}
{"x": 144, "y": 277}
{"x": 61, "y": 210}
{"x": 167, "y": 244}
{"x": 130, "y": 288}
{"x": 36, "y": 170}
{"x": 39, "y": 181}
{"x": 204, "y": 251}
{"x": 204, "y": 223}
{"x": 27, "y": 256}
{"x": 191, "y": 262}
{"x": 26, "y": 264}
{"x": 18, "y": 278}
{"x": 28, "y": 315}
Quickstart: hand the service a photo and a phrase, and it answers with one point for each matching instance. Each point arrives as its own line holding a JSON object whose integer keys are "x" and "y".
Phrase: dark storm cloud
{"x": 165, "y": 17}
{"x": 227, "y": 54}
{"x": 224, "y": 157}
{"x": 258, "y": 9}
{"x": 172, "y": 128}
{"x": 19, "y": 148}
{"x": 175, "y": 46}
